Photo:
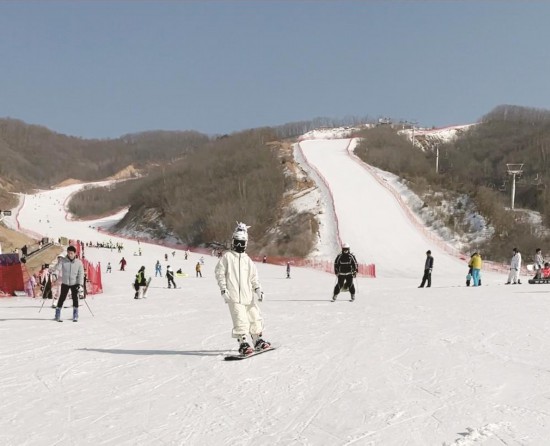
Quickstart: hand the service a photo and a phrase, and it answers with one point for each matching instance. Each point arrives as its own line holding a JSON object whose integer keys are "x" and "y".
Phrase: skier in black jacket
{"x": 345, "y": 268}
{"x": 428, "y": 266}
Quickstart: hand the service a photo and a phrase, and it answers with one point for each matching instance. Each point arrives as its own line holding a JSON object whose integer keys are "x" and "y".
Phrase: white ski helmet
{"x": 240, "y": 237}
{"x": 345, "y": 246}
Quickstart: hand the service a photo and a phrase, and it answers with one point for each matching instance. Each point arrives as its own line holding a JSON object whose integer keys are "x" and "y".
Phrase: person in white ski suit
{"x": 239, "y": 284}
{"x": 515, "y": 268}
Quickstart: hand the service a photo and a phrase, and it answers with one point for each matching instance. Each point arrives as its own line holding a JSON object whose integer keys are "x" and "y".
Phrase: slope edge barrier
{"x": 415, "y": 220}
{"x": 365, "y": 270}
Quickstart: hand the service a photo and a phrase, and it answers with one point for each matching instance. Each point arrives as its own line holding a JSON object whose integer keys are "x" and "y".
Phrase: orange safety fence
{"x": 365, "y": 270}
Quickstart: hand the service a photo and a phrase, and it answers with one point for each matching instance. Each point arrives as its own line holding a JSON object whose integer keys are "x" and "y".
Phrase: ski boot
{"x": 334, "y": 297}
{"x": 352, "y": 298}
{"x": 58, "y": 314}
{"x": 75, "y": 314}
{"x": 260, "y": 344}
{"x": 245, "y": 349}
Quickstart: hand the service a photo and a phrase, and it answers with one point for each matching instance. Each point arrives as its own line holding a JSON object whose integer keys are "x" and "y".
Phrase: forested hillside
{"x": 199, "y": 199}
{"x": 34, "y": 156}
{"x": 196, "y": 187}
{"x": 476, "y": 164}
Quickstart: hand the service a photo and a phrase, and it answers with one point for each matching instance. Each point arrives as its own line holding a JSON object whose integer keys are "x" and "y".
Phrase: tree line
{"x": 34, "y": 156}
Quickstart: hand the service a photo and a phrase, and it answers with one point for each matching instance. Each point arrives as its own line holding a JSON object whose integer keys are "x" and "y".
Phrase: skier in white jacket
{"x": 239, "y": 284}
{"x": 515, "y": 268}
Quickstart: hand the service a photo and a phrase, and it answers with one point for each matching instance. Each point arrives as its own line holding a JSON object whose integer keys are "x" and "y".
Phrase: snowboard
{"x": 254, "y": 353}
{"x": 539, "y": 281}
{"x": 147, "y": 286}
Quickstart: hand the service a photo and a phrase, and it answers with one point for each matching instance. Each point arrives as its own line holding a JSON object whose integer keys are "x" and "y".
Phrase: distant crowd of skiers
{"x": 540, "y": 266}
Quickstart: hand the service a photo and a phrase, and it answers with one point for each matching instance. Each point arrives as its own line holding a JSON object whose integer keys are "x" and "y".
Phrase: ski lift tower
{"x": 514, "y": 169}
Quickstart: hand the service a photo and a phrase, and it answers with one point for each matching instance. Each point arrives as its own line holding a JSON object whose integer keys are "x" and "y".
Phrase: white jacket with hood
{"x": 237, "y": 274}
{"x": 516, "y": 261}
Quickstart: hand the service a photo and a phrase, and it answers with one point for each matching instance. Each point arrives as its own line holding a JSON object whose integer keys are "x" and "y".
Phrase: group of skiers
{"x": 236, "y": 276}
{"x": 540, "y": 266}
{"x": 239, "y": 283}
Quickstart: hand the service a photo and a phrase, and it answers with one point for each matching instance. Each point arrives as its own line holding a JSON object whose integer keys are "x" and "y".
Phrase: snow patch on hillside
{"x": 470, "y": 228}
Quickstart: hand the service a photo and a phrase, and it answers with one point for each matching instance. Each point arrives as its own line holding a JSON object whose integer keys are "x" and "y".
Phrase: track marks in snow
{"x": 474, "y": 436}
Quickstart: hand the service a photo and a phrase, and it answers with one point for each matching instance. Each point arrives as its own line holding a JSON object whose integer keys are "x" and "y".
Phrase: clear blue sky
{"x": 103, "y": 69}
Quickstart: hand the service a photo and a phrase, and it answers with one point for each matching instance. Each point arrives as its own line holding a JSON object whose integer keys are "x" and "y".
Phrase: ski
{"x": 254, "y": 353}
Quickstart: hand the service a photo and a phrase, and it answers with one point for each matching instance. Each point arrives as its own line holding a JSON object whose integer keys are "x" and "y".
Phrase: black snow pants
{"x": 345, "y": 281}
{"x": 63, "y": 295}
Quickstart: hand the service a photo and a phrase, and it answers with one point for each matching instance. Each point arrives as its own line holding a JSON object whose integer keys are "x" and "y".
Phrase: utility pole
{"x": 514, "y": 169}
{"x": 413, "y": 123}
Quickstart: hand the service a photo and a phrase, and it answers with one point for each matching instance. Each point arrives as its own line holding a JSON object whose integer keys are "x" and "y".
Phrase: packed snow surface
{"x": 446, "y": 365}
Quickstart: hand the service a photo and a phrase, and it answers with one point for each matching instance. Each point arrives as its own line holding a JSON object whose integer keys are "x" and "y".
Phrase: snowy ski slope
{"x": 448, "y": 365}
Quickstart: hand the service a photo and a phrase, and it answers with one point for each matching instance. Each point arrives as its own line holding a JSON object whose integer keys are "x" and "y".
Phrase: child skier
{"x": 239, "y": 284}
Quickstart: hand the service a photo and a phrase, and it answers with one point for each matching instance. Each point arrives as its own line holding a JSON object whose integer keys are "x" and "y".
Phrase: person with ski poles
{"x": 240, "y": 288}
{"x": 72, "y": 278}
{"x": 345, "y": 268}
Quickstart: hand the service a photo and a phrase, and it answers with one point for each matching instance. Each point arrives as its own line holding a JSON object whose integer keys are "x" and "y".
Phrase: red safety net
{"x": 93, "y": 277}
{"x": 364, "y": 270}
{"x": 94, "y": 284}
{"x": 11, "y": 274}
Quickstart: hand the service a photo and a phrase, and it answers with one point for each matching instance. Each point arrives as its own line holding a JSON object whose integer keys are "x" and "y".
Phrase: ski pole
{"x": 43, "y": 302}
{"x": 89, "y": 308}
